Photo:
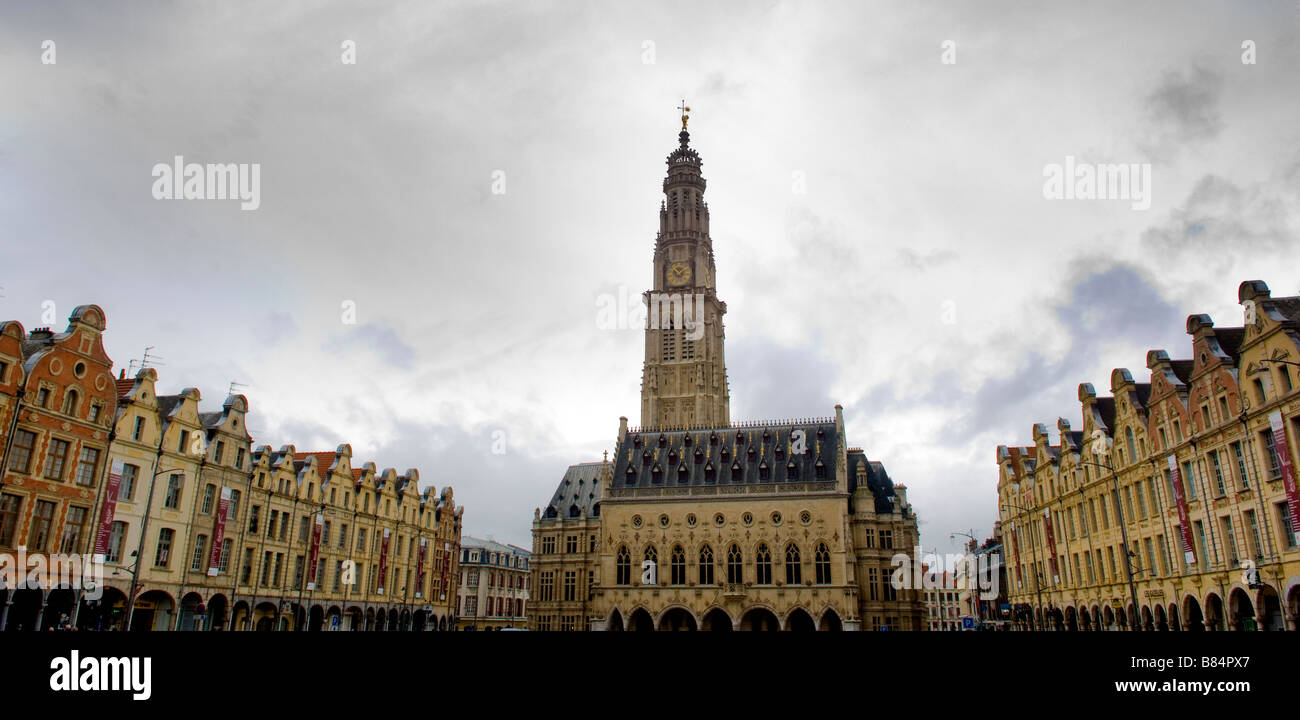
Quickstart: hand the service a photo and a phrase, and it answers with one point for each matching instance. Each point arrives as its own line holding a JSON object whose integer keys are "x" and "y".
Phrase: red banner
{"x": 219, "y": 534}
{"x": 1180, "y": 499}
{"x": 1283, "y": 451}
{"x": 383, "y": 561}
{"x": 1051, "y": 544}
{"x": 314, "y": 555}
{"x": 446, "y": 563}
{"x": 1015, "y": 547}
{"x": 419, "y": 569}
{"x": 110, "y": 507}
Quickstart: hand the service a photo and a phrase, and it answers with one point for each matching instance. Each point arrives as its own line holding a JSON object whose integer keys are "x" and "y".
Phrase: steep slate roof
{"x": 1106, "y": 406}
{"x": 878, "y": 480}
{"x": 711, "y": 456}
{"x": 579, "y": 487}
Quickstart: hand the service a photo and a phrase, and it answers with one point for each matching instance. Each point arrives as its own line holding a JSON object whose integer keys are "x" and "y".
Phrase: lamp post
{"x": 970, "y": 571}
{"x": 1033, "y": 546}
{"x": 139, "y": 550}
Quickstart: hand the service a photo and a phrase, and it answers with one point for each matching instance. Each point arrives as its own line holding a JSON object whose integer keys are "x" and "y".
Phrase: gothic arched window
{"x": 624, "y": 566}
{"x": 823, "y": 563}
{"x": 706, "y": 565}
{"x": 763, "y": 566}
{"x": 793, "y": 568}
{"x": 735, "y": 565}
{"x": 678, "y": 566}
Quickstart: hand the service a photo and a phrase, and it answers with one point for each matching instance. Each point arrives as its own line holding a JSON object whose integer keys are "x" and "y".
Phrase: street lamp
{"x": 139, "y": 550}
{"x": 974, "y": 597}
{"x": 1033, "y": 546}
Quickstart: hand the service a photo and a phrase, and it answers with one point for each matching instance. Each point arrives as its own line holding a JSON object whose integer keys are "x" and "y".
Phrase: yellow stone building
{"x": 1173, "y": 505}
{"x": 699, "y": 523}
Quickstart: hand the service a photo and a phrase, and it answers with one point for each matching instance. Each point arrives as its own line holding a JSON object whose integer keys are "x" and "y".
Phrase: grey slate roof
{"x": 878, "y": 480}
{"x": 580, "y": 489}
{"x": 655, "y": 458}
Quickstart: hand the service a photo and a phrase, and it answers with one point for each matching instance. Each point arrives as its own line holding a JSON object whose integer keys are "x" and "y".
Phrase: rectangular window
{"x": 1219, "y": 487}
{"x": 279, "y": 566}
{"x": 74, "y": 527}
{"x": 343, "y": 536}
{"x": 172, "y": 500}
{"x": 87, "y": 466}
{"x": 162, "y": 555}
{"x": 209, "y": 495}
{"x": 10, "y": 505}
{"x": 1284, "y": 522}
{"x": 546, "y": 589}
{"x": 1151, "y": 555}
{"x": 1274, "y": 463}
{"x": 873, "y": 577}
{"x": 184, "y": 442}
{"x": 223, "y": 566}
{"x": 297, "y": 572}
{"x": 216, "y": 454}
{"x": 1189, "y": 481}
{"x": 1164, "y": 554}
{"x": 1240, "y": 457}
{"x": 138, "y": 432}
{"x": 887, "y": 539}
{"x": 126, "y": 488}
{"x": 266, "y": 568}
{"x": 1199, "y": 527}
{"x": 239, "y": 462}
{"x": 20, "y": 457}
{"x": 196, "y": 560}
{"x": 246, "y": 572}
{"x": 361, "y": 539}
{"x": 304, "y": 524}
{"x": 570, "y": 586}
{"x": 1252, "y": 523}
{"x": 55, "y": 457}
{"x": 1225, "y": 525}
{"x": 253, "y": 513}
{"x": 42, "y": 526}
{"x": 116, "y": 539}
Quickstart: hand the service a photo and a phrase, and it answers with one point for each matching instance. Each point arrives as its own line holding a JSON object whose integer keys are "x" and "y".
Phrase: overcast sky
{"x": 921, "y": 279}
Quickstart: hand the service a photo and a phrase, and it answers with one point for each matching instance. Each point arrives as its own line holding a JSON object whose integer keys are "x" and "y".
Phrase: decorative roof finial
{"x": 685, "y": 113}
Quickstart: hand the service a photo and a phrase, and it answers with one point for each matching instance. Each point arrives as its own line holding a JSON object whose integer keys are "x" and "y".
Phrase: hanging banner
{"x": 1051, "y": 544}
{"x": 219, "y": 533}
{"x": 1283, "y": 451}
{"x": 383, "y": 562}
{"x": 110, "y": 507}
{"x": 1180, "y": 499}
{"x": 315, "y": 551}
{"x": 1015, "y": 547}
{"x": 419, "y": 569}
{"x": 446, "y": 563}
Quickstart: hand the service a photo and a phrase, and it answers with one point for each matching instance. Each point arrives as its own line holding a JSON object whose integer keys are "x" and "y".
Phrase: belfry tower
{"x": 684, "y": 381}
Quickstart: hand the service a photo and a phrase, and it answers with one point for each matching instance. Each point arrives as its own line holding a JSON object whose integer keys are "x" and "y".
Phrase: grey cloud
{"x": 1182, "y": 110}
{"x": 382, "y": 339}
{"x": 1221, "y": 215}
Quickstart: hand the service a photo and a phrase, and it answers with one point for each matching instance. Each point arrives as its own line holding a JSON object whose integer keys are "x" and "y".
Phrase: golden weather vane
{"x": 685, "y": 113}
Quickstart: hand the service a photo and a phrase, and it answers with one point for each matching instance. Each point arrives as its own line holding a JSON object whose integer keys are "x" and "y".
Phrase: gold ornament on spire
{"x": 685, "y": 113}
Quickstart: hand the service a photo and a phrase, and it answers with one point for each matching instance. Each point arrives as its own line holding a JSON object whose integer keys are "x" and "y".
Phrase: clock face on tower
{"x": 679, "y": 273}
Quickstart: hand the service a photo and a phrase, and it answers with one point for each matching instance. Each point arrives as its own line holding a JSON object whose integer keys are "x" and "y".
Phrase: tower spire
{"x": 685, "y": 137}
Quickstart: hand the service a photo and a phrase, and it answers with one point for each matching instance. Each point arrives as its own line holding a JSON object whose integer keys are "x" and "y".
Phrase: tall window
{"x": 42, "y": 525}
{"x": 9, "y": 507}
{"x": 196, "y": 560}
{"x": 763, "y": 565}
{"x": 1274, "y": 463}
{"x": 735, "y": 565}
{"x": 706, "y": 565}
{"x": 623, "y": 567}
{"x": 793, "y": 568}
{"x": 20, "y": 457}
{"x": 1218, "y": 473}
{"x": 253, "y": 513}
{"x": 70, "y": 402}
{"x": 209, "y": 494}
{"x": 224, "y": 565}
{"x": 1240, "y": 457}
{"x": 116, "y": 538}
{"x": 172, "y": 500}
{"x": 570, "y": 585}
{"x": 126, "y": 488}
{"x": 163, "y": 553}
{"x": 73, "y": 529}
{"x": 678, "y": 566}
{"x": 55, "y": 458}
{"x": 823, "y": 562}
{"x": 546, "y": 590}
